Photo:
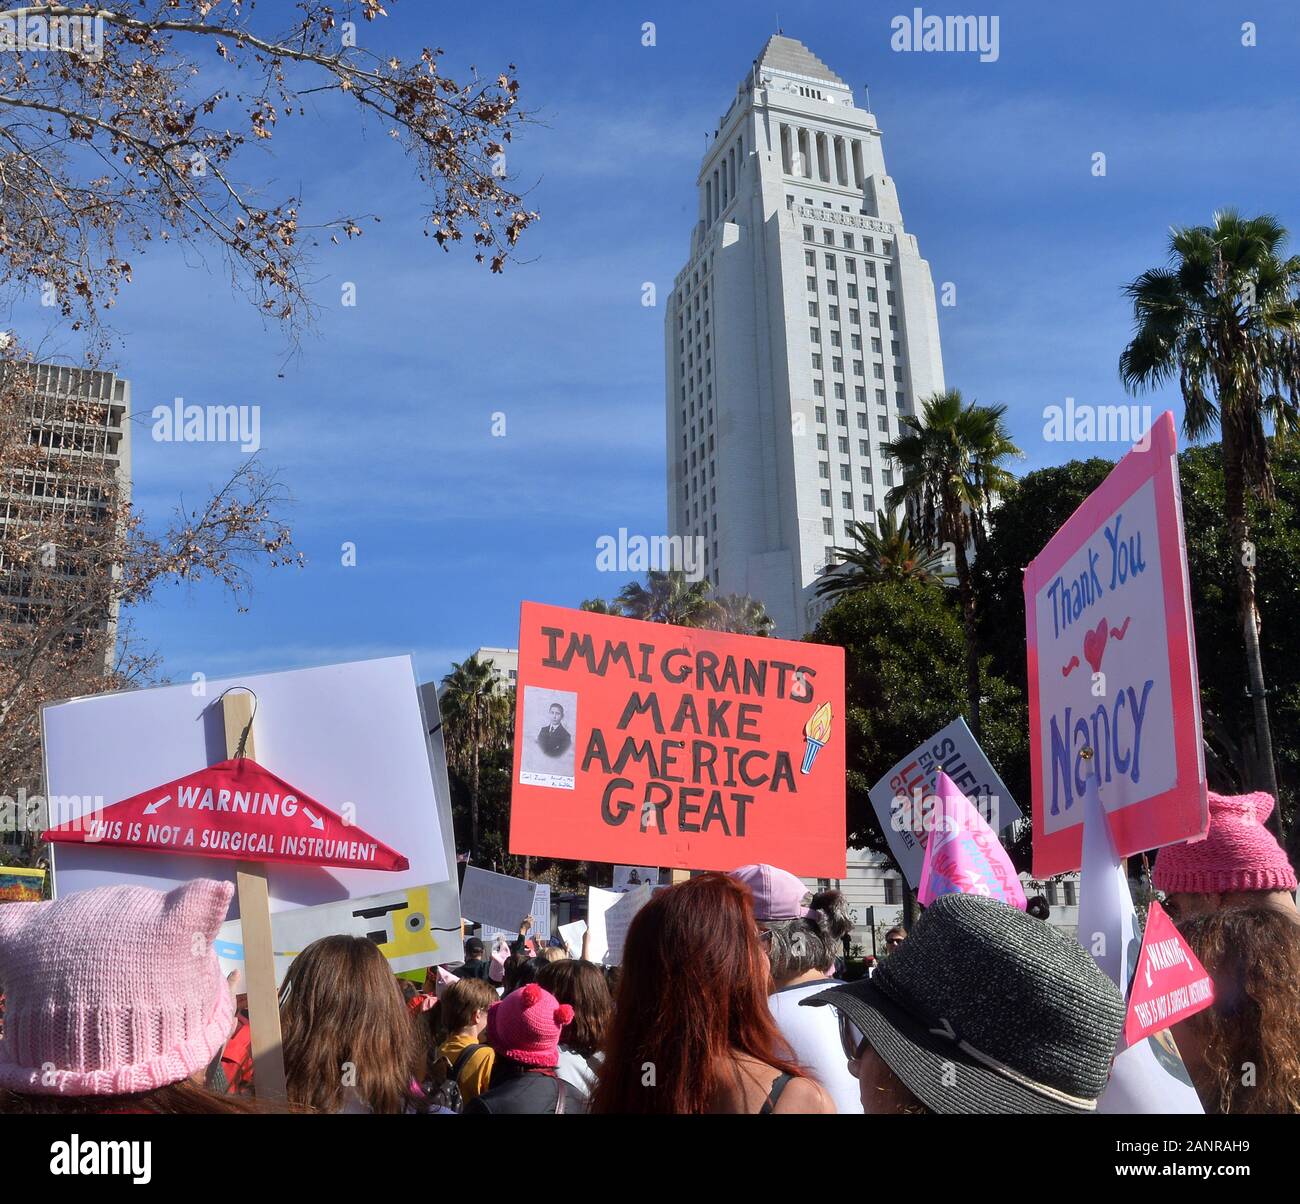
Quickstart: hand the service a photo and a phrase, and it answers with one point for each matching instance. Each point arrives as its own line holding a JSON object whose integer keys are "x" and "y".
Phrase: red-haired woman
{"x": 692, "y": 1031}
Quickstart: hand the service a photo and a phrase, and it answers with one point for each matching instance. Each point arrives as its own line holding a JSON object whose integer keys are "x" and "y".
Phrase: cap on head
{"x": 778, "y": 894}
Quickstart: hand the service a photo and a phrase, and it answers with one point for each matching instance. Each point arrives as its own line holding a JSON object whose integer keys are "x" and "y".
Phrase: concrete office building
{"x": 801, "y": 329}
{"x": 78, "y": 424}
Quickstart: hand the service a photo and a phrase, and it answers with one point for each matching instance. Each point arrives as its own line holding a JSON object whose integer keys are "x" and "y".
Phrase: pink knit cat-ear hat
{"x": 114, "y": 990}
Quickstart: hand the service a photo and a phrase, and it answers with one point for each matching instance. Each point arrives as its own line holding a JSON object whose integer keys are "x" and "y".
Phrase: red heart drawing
{"x": 1094, "y": 645}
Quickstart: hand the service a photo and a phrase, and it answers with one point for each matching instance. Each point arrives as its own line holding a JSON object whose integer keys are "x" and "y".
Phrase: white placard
{"x": 616, "y": 917}
{"x": 571, "y": 935}
{"x": 628, "y": 877}
{"x": 317, "y": 728}
{"x": 955, "y": 751}
{"x": 499, "y": 901}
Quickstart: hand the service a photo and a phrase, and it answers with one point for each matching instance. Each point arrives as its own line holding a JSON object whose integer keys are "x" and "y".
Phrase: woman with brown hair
{"x": 582, "y": 986}
{"x": 692, "y": 1032}
{"x": 1243, "y": 1052}
{"x": 350, "y": 1042}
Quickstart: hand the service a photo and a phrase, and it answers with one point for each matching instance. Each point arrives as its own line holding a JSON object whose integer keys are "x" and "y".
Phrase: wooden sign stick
{"x": 255, "y": 920}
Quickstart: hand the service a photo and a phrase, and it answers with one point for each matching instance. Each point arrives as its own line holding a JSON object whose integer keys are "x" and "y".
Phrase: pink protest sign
{"x": 1112, "y": 665}
{"x": 963, "y": 855}
{"x": 1169, "y": 985}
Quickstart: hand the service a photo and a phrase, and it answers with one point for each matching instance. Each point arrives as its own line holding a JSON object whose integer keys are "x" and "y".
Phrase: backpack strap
{"x": 463, "y": 1057}
{"x": 561, "y": 1090}
{"x": 779, "y": 1084}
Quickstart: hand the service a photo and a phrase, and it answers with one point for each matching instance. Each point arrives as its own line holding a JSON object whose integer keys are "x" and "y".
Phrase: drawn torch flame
{"x": 817, "y": 731}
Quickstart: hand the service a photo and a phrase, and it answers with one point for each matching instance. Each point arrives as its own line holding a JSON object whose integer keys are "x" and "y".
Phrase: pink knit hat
{"x": 1237, "y": 854}
{"x": 525, "y": 1026}
{"x": 114, "y": 990}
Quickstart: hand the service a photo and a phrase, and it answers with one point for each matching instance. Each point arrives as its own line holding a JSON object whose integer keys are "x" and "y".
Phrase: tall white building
{"x": 802, "y": 326}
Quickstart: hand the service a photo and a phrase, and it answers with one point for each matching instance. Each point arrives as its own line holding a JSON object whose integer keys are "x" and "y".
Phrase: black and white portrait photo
{"x": 550, "y": 718}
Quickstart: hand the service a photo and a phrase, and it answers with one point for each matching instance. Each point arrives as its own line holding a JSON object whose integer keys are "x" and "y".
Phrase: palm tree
{"x": 669, "y": 597}
{"x": 1223, "y": 318}
{"x": 742, "y": 615}
{"x": 887, "y": 553}
{"x": 953, "y": 460}
{"x": 475, "y": 717}
{"x": 598, "y": 606}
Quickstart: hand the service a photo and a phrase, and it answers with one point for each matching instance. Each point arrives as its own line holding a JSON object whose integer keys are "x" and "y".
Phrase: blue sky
{"x": 381, "y": 424}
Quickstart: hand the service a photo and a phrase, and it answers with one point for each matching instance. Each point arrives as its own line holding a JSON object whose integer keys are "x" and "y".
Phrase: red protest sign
{"x": 1112, "y": 665}
{"x": 1169, "y": 984}
{"x": 235, "y": 809}
{"x": 648, "y": 744}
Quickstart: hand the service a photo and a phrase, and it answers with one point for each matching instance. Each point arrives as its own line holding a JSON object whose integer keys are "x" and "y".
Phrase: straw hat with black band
{"x": 984, "y": 1009}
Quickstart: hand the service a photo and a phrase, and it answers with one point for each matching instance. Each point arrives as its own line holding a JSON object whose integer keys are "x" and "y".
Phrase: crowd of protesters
{"x": 730, "y": 998}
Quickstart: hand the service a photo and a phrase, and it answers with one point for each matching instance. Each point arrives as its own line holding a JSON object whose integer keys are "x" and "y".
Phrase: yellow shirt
{"x": 477, "y": 1071}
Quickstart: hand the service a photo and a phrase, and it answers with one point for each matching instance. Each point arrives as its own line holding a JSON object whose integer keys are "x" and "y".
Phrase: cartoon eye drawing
{"x": 414, "y": 921}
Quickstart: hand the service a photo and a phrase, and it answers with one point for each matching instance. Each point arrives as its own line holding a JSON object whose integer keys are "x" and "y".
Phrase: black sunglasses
{"x": 851, "y": 1041}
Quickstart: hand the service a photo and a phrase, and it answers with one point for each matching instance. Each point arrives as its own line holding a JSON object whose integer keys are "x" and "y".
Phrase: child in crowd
{"x": 464, "y": 1057}
{"x": 1243, "y": 1052}
{"x": 692, "y": 1008}
{"x": 350, "y": 1042}
{"x": 582, "y": 986}
{"x": 110, "y": 1006}
{"x": 524, "y": 1029}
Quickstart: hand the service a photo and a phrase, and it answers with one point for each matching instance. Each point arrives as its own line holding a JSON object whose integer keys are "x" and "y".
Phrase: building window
{"x": 846, "y": 500}
{"x": 892, "y": 894}
{"x": 824, "y": 471}
{"x": 1071, "y": 893}
{"x": 820, "y": 414}
{"x": 809, "y": 259}
{"x": 828, "y": 526}
{"x": 843, "y": 442}
{"x": 821, "y": 442}
{"x": 807, "y": 234}
{"x": 826, "y": 497}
